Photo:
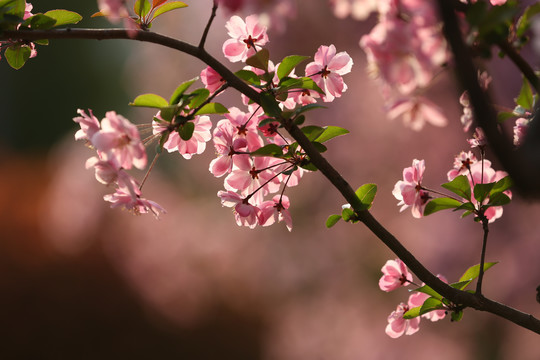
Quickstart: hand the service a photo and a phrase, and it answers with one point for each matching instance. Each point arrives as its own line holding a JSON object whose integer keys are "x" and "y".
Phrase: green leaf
{"x": 186, "y": 130}
{"x": 312, "y": 132}
{"x": 502, "y": 185}
{"x": 156, "y": 3}
{"x": 42, "y": 42}
{"x": 173, "y": 5}
{"x": 308, "y": 107}
{"x": 525, "y": 98}
{"x": 169, "y": 112}
{"x": 198, "y": 97}
{"x": 149, "y": 100}
{"x": 481, "y": 191}
{"x": 212, "y": 108}
{"x": 502, "y": 116}
{"x": 348, "y": 214}
{"x": 270, "y": 105}
{"x": 300, "y": 83}
{"x": 426, "y": 289}
{"x": 366, "y": 193}
{"x": 430, "y": 304}
{"x": 180, "y": 90}
{"x": 460, "y": 285}
{"x": 248, "y": 76}
{"x": 320, "y": 147}
{"x": 17, "y": 55}
{"x": 269, "y": 150}
{"x": 456, "y": 315}
{"x": 332, "y": 220}
{"x": 498, "y": 199}
{"x": 331, "y": 132}
{"x": 259, "y": 60}
{"x": 459, "y": 186}
{"x": 288, "y": 64}
{"x": 64, "y": 17}
{"x": 523, "y": 22}
{"x": 412, "y": 313}
{"x": 474, "y": 271}
{"x": 15, "y": 7}
{"x": 142, "y": 8}
{"x": 439, "y": 204}
{"x": 40, "y": 22}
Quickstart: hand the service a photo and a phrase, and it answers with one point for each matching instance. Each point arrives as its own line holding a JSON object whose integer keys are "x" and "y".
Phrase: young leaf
{"x": 198, "y": 97}
{"x": 308, "y": 107}
{"x": 523, "y": 22}
{"x": 474, "y": 271}
{"x": 498, "y": 199}
{"x": 332, "y": 220}
{"x": 17, "y": 56}
{"x": 481, "y": 191}
{"x": 16, "y": 7}
{"x": 426, "y": 289}
{"x": 348, "y": 214}
{"x": 142, "y": 8}
{"x": 456, "y": 315}
{"x": 366, "y": 193}
{"x": 40, "y": 22}
{"x": 177, "y": 94}
{"x": 248, "y": 76}
{"x": 259, "y": 60}
{"x": 320, "y": 147}
{"x": 502, "y": 185}
{"x": 412, "y": 313}
{"x": 312, "y": 132}
{"x": 268, "y": 150}
{"x": 525, "y": 98}
{"x": 156, "y": 3}
{"x": 331, "y": 132}
{"x": 186, "y": 130}
{"x": 212, "y": 108}
{"x": 439, "y": 204}
{"x": 270, "y": 105}
{"x": 173, "y": 5}
{"x": 149, "y": 100}
{"x": 64, "y": 17}
{"x": 459, "y": 186}
{"x": 288, "y": 64}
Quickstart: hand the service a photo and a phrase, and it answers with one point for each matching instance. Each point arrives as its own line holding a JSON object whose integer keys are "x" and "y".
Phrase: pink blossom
{"x": 520, "y": 130}
{"x": 482, "y": 173}
{"x": 395, "y": 274}
{"x": 398, "y": 326}
{"x": 416, "y": 111}
{"x": 230, "y": 149}
{"x": 187, "y": 148}
{"x": 109, "y": 173}
{"x": 276, "y": 210}
{"x": 134, "y": 204}
{"x": 211, "y": 79}
{"x": 246, "y": 127}
{"x": 28, "y": 11}
{"x": 462, "y": 164}
{"x": 467, "y": 117}
{"x": 114, "y": 10}
{"x": 89, "y": 125}
{"x": 409, "y": 190}
{"x": 497, "y": 2}
{"x": 244, "y": 213}
{"x": 119, "y": 139}
{"x": 478, "y": 139}
{"x": 327, "y": 70}
{"x": 245, "y": 38}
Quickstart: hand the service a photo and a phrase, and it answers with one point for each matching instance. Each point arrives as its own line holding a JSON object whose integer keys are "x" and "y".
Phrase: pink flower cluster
{"x": 410, "y": 192}
{"x": 405, "y": 50}
{"x": 395, "y": 275}
{"x": 119, "y": 148}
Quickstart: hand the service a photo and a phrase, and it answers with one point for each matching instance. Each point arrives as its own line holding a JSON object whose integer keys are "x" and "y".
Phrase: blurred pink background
{"x": 80, "y": 280}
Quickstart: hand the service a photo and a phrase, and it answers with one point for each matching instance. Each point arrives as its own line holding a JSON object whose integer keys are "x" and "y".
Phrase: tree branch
{"x": 456, "y": 296}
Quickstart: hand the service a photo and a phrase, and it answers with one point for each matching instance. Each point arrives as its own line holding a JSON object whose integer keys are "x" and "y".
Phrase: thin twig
{"x": 207, "y": 28}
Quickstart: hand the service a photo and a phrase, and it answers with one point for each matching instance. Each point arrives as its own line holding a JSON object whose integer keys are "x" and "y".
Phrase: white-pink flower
{"x": 418, "y": 298}
{"x": 417, "y": 111}
{"x": 114, "y": 10}
{"x": 462, "y": 164}
{"x": 134, "y": 204}
{"x": 276, "y": 210}
{"x": 520, "y": 130}
{"x": 211, "y": 79}
{"x": 89, "y": 125}
{"x": 246, "y": 38}
{"x": 327, "y": 70}
{"x": 245, "y": 213}
{"x": 119, "y": 139}
{"x": 395, "y": 274}
{"x": 398, "y": 326}
{"x": 187, "y": 148}
{"x": 409, "y": 190}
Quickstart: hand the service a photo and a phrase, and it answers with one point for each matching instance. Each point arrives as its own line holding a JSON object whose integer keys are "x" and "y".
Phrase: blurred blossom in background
{"x": 80, "y": 280}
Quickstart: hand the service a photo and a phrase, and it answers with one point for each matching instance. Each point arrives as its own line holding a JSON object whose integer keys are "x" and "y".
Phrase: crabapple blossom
{"x": 114, "y": 10}
{"x": 246, "y": 36}
{"x": 119, "y": 139}
{"x": 89, "y": 125}
{"x": 520, "y": 130}
{"x": 409, "y": 190}
{"x": 134, "y": 204}
{"x": 398, "y": 326}
{"x": 211, "y": 79}
{"x": 230, "y": 149}
{"x": 462, "y": 164}
{"x": 246, "y": 127}
{"x": 245, "y": 213}
{"x": 482, "y": 173}
{"x": 276, "y": 210}
{"x": 478, "y": 140}
{"x": 187, "y": 148}
{"x": 416, "y": 111}
{"x": 327, "y": 70}
{"x": 395, "y": 274}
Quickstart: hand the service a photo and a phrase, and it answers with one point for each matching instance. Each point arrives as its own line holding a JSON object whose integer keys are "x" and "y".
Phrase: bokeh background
{"x": 79, "y": 280}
